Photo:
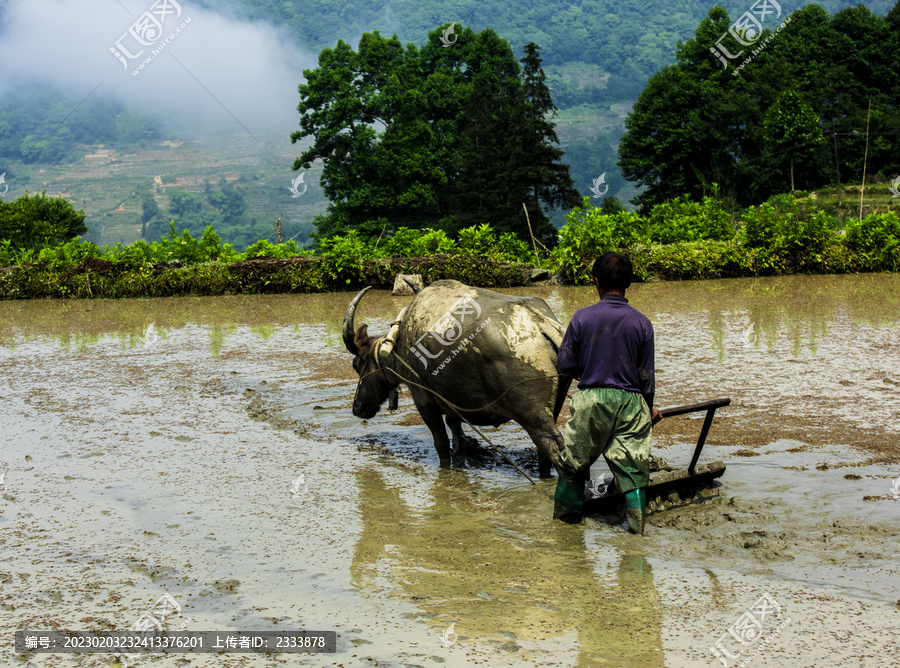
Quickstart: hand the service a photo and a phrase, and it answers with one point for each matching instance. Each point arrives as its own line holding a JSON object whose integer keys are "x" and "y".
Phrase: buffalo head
{"x": 373, "y": 388}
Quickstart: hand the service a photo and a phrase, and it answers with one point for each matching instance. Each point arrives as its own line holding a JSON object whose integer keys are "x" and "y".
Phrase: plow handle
{"x": 710, "y": 408}
{"x": 670, "y": 411}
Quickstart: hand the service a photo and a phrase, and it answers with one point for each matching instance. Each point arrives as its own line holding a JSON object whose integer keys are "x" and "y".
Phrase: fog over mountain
{"x": 211, "y": 70}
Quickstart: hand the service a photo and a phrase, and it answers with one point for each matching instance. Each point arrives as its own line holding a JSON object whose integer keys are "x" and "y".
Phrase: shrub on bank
{"x": 778, "y": 237}
{"x": 683, "y": 220}
{"x": 876, "y": 241}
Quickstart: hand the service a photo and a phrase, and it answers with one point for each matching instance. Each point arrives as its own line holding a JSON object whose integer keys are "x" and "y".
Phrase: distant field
{"x": 876, "y": 195}
{"x": 107, "y": 183}
{"x": 584, "y": 122}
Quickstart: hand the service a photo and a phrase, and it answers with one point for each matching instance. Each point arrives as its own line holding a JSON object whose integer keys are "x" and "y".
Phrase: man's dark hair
{"x": 613, "y": 271}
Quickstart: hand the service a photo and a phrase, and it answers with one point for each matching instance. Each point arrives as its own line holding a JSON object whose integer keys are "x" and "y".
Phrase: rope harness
{"x": 456, "y": 409}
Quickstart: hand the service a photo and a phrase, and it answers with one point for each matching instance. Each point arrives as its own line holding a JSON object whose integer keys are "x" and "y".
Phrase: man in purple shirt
{"x": 608, "y": 347}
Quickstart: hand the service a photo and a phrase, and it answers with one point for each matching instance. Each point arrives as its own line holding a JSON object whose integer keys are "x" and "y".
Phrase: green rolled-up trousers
{"x": 605, "y": 421}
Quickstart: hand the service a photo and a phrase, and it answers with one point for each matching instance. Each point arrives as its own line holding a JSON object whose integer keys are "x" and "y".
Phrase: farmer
{"x": 608, "y": 348}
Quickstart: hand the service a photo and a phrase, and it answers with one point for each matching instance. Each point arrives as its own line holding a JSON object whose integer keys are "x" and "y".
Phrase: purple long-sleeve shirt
{"x": 610, "y": 344}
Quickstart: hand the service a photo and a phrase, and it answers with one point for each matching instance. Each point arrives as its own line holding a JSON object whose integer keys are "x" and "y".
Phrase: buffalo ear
{"x": 362, "y": 339}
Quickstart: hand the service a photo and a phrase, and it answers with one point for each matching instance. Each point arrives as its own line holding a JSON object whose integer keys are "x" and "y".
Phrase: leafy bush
{"x": 343, "y": 257}
{"x": 876, "y": 238}
{"x": 482, "y": 241}
{"x": 760, "y": 225}
{"x": 403, "y": 243}
{"x": 183, "y": 247}
{"x": 703, "y": 260}
{"x": 261, "y": 249}
{"x": 69, "y": 254}
{"x": 212, "y": 248}
{"x": 510, "y": 248}
{"x": 411, "y": 242}
{"x": 434, "y": 242}
{"x": 684, "y": 220}
{"x": 10, "y": 255}
{"x": 589, "y": 232}
{"x": 780, "y": 236}
{"x": 802, "y": 238}
{"x": 798, "y": 235}
{"x": 476, "y": 240}
{"x": 7, "y": 254}
{"x": 35, "y": 221}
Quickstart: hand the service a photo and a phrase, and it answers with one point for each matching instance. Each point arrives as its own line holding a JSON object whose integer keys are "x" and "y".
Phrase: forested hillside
{"x": 31, "y": 131}
{"x": 630, "y": 39}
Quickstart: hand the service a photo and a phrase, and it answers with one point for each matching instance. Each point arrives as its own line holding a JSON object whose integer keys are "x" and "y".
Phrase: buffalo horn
{"x": 415, "y": 288}
{"x": 349, "y": 330}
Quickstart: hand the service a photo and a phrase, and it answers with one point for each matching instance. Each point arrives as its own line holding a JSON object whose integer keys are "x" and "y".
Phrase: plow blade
{"x": 667, "y": 489}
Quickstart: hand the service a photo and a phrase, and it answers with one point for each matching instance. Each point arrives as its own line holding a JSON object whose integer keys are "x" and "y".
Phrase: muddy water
{"x": 168, "y": 460}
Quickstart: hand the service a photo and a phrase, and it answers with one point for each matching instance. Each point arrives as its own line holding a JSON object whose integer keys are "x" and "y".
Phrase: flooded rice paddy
{"x": 213, "y": 456}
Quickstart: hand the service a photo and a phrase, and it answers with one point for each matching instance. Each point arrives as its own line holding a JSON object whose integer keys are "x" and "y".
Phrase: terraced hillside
{"x": 107, "y": 183}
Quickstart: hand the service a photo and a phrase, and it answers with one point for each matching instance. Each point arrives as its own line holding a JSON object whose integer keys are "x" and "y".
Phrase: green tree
{"x": 699, "y": 123}
{"x": 151, "y": 217}
{"x": 32, "y": 222}
{"x": 344, "y": 102}
{"x": 551, "y": 182}
{"x": 792, "y": 127}
{"x": 490, "y": 184}
{"x": 438, "y": 137}
{"x": 228, "y": 200}
{"x": 33, "y": 148}
{"x": 893, "y": 17}
{"x": 183, "y": 203}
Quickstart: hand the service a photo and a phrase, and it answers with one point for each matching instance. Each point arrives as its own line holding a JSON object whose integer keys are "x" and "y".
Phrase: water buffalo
{"x": 472, "y": 347}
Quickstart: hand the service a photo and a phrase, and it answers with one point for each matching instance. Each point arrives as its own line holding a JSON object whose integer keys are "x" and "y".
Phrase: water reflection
{"x": 794, "y": 309}
{"x": 217, "y": 334}
{"x": 502, "y": 571}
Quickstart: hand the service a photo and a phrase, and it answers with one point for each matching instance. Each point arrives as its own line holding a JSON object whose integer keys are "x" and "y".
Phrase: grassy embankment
{"x": 677, "y": 240}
